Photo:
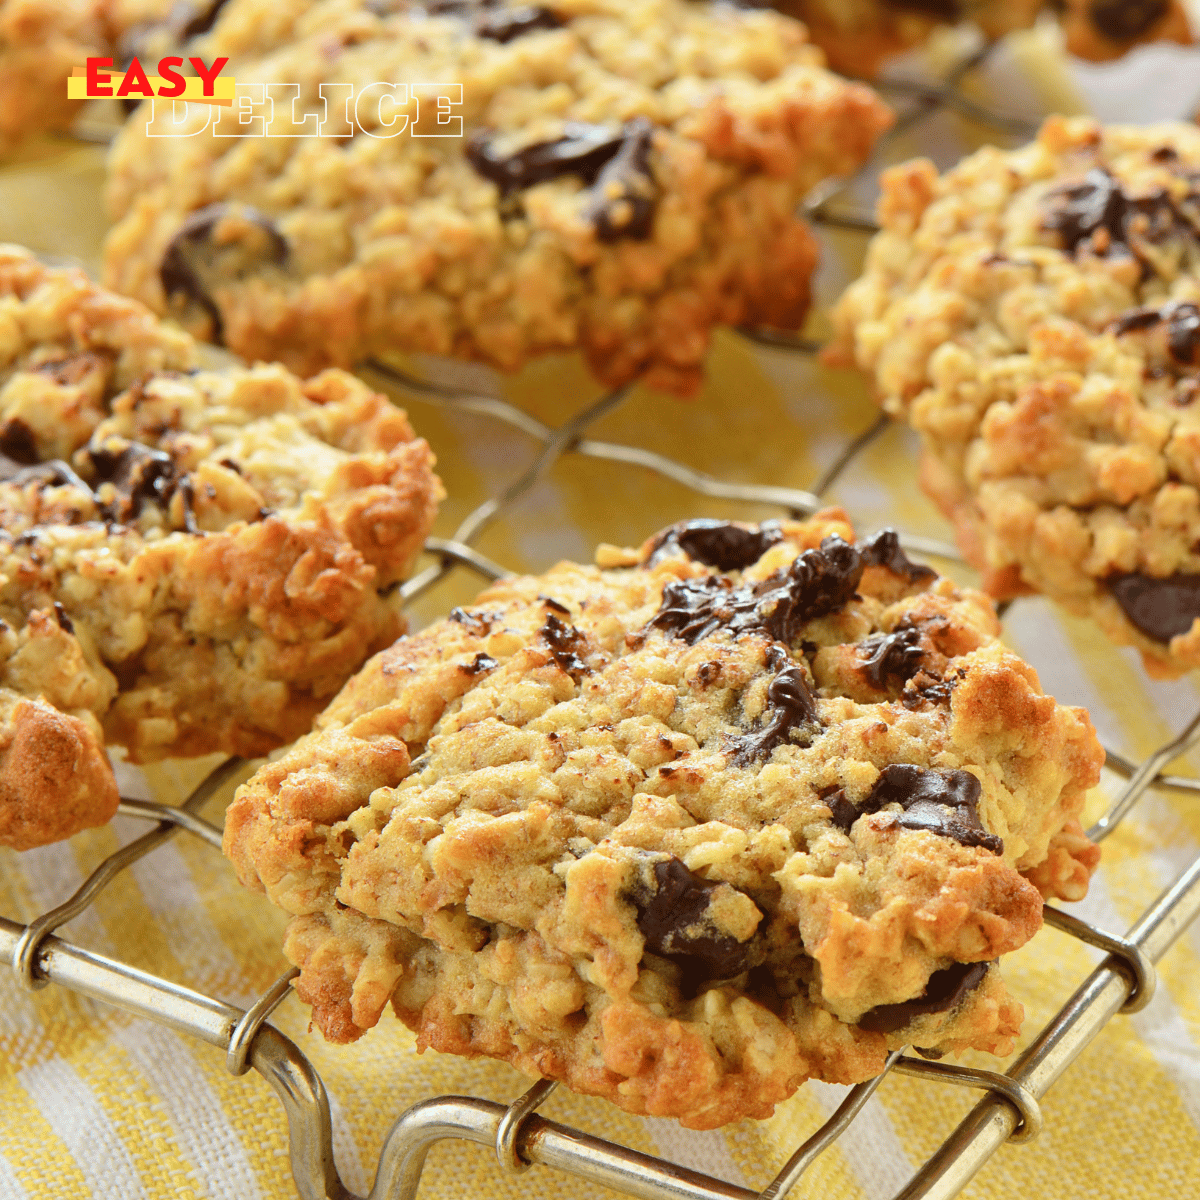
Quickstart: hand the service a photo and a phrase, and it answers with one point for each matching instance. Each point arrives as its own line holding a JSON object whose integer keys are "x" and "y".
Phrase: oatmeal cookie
{"x": 41, "y": 41}
{"x": 858, "y": 36}
{"x": 627, "y": 179}
{"x": 1102, "y": 30}
{"x": 750, "y": 805}
{"x": 1035, "y": 314}
{"x": 190, "y": 560}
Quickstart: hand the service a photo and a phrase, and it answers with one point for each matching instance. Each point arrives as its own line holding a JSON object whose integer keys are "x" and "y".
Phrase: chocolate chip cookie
{"x": 1036, "y": 317}
{"x": 190, "y": 560}
{"x": 858, "y": 36}
{"x": 749, "y": 805}
{"x": 626, "y": 179}
{"x": 41, "y": 41}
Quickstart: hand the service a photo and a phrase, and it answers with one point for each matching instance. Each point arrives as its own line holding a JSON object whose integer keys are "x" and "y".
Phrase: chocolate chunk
{"x": 890, "y": 658}
{"x": 582, "y": 150}
{"x": 817, "y": 582}
{"x": 623, "y": 196}
{"x": 479, "y": 624}
{"x": 884, "y": 550}
{"x": 946, "y": 990}
{"x": 509, "y": 23}
{"x": 1183, "y": 333}
{"x": 720, "y": 544}
{"x": 1183, "y": 328}
{"x": 1160, "y": 608}
{"x": 550, "y": 602}
{"x": 566, "y": 645}
{"x": 791, "y": 707}
{"x": 1078, "y": 211}
{"x": 1125, "y": 20}
{"x": 138, "y": 473}
{"x": 64, "y": 622}
{"x": 194, "y": 19}
{"x": 481, "y": 663}
{"x": 674, "y": 919}
{"x": 924, "y": 688}
{"x": 17, "y": 442}
{"x": 708, "y": 673}
{"x": 942, "y": 802}
{"x": 842, "y": 813}
{"x": 194, "y": 256}
{"x": 1135, "y": 320}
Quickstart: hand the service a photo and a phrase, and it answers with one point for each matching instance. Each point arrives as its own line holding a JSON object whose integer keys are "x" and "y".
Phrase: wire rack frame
{"x": 1009, "y": 1111}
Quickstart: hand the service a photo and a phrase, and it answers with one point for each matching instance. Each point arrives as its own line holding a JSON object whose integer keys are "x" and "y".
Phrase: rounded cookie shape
{"x": 626, "y": 179}
{"x": 190, "y": 560}
{"x": 749, "y": 805}
{"x": 1034, "y": 314}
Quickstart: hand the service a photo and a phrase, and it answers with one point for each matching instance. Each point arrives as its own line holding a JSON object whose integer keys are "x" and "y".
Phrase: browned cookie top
{"x": 749, "y": 805}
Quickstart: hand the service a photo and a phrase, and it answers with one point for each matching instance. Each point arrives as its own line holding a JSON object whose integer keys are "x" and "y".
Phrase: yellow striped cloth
{"x": 95, "y": 1104}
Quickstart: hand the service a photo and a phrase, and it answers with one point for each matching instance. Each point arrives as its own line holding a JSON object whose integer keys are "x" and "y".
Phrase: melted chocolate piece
{"x": 1183, "y": 329}
{"x": 884, "y": 550}
{"x": 1160, "y": 608}
{"x": 481, "y": 663}
{"x": 17, "y": 442}
{"x": 1183, "y": 334}
{"x": 550, "y": 602}
{"x": 479, "y": 624}
{"x": 582, "y": 150}
{"x": 137, "y": 472}
{"x": 183, "y": 261}
{"x": 1135, "y": 320}
{"x": 509, "y": 23}
{"x": 1125, "y": 20}
{"x": 566, "y": 645}
{"x": 939, "y": 801}
{"x": 817, "y": 582}
{"x": 945, "y": 990}
{"x": 1099, "y": 202}
{"x": 64, "y": 622}
{"x": 791, "y": 707}
{"x": 928, "y": 689}
{"x": 720, "y": 544}
{"x": 195, "y": 19}
{"x": 676, "y": 924}
{"x": 890, "y": 658}
{"x": 623, "y": 196}
{"x": 613, "y": 162}
{"x": 842, "y": 813}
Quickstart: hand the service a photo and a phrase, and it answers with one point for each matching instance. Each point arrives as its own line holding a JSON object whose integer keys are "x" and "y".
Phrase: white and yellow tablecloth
{"x": 96, "y": 1104}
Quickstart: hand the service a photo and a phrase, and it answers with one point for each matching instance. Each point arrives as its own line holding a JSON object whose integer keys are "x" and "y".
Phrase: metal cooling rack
{"x": 1123, "y": 982}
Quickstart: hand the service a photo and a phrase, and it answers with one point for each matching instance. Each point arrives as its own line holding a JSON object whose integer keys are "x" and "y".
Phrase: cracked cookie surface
{"x": 747, "y": 806}
{"x": 190, "y": 560}
{"x": 1034, "y": 314}
{"x": 627, "y": 180}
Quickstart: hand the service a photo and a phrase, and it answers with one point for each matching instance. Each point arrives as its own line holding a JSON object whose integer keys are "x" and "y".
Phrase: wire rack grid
{"x": 1008, "y": 1111}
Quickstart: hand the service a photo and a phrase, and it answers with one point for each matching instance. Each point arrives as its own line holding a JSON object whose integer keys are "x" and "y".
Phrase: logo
{"x": 96, "y": 81}
{"x": 231, "y": 109}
